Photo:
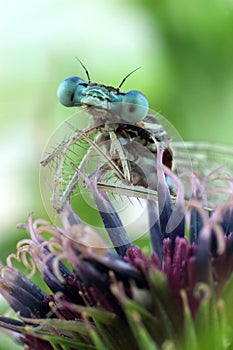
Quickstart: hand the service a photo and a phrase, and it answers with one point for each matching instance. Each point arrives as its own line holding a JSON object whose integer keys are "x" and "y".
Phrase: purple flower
{"x": 99, "y": 298}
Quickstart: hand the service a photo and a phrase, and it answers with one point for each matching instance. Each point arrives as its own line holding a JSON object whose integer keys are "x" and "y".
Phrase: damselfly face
{"x": 121, "y": 137}
{"x": 103, "y": 102}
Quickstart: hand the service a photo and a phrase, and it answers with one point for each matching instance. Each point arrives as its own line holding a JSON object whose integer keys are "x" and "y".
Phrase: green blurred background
{"x": 184, "y": 46}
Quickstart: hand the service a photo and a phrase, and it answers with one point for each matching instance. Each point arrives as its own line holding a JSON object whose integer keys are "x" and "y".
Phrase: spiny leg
{"x": 96, "y": 148}
{"x": 58, "y": 157}
{"x": 64, "y": 146}
{"x": 59, "y": 204}
{"x": 118, "y": 150}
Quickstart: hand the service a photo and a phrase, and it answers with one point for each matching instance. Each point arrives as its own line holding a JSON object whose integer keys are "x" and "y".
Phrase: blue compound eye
{"x": 134, "y": 106}
{"x": 68, "y": 91}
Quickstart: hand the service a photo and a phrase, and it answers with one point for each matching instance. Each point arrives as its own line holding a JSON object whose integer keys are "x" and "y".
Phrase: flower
{"x": 98, "y": 298}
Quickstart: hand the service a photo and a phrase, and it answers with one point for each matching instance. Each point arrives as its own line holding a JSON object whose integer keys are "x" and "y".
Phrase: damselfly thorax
{"x": 121, "y": 139}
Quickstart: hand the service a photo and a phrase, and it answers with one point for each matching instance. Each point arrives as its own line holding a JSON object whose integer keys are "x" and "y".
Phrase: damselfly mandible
{"x": 125, "y": 137}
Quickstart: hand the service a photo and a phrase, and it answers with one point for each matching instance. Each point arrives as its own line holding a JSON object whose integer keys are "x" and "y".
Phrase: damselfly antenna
{"x": 127, "y": 77}
{"x": 86, "y": 71}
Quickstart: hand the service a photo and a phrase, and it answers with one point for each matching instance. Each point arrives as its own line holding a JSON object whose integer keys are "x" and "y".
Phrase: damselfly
{"x": 124, "y": 135}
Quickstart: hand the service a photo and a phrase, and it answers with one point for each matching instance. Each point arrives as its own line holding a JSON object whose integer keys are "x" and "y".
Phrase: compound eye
{"x": 134, "y": 106}
{"x": 68, "y": 91}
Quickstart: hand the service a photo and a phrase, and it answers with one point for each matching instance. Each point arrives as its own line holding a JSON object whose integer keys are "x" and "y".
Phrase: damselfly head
{"x": 131, "y": 106}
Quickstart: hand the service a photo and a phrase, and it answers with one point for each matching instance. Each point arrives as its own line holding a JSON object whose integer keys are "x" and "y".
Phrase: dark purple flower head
{"x": 97, "y": 295}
